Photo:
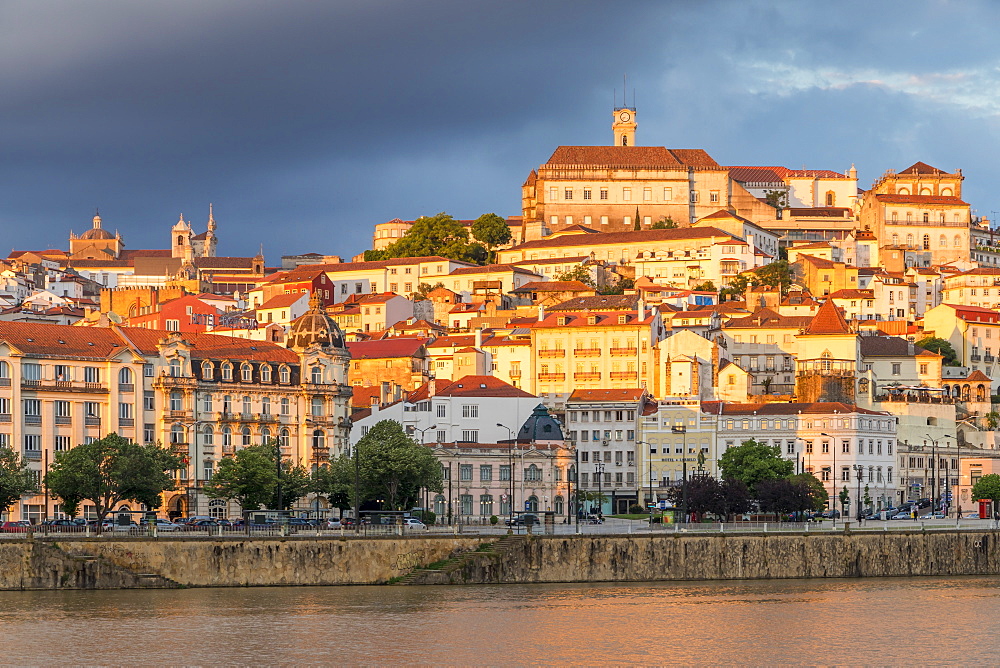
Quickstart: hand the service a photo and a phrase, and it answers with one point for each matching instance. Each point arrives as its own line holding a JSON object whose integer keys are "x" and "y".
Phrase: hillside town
{"x": 645, "y": 311}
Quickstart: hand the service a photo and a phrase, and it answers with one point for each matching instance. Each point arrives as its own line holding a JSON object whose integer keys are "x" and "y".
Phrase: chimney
{"x": 383, "y": 393}
{"x": 541, "y": 313}
{"x": 431, "y": 387}
{"x": 641, "y": 307}
{"x": 479, "y": 338}
{"x": 397, "y": 391}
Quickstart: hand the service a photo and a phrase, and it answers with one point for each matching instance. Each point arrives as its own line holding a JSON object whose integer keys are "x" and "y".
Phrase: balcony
{"x": 125, "y": 422}
{"x": 92, "y": 421}
{"x": 989, "y": 359}
{"x": 33, "y": 455}
{"x": 321, "y": 454}
{"x": 586, "y": 376}
{"x": 246, "y": 417}
{"x": 32, "y": 419}
{"x": 624, "y": 352}
{"x": 587, "y": 352}
{"x": 623, "y": 375}
{"x": 62, "y": 386}
{"x": 179, "y": 448}
{"x": 228, "y": 450}
{"x": 175, "y": 382}
{"x": 515, "y": 373}
{"x": 4, "y": 382}
{"x": 180, "y": 415}
{"x": 558, "y": 352}
{"x": 61, "y": 419}
{"x": 976, "y": 357}
{"x": 266, "y": 417}
{"x": 551, "y": 377}
{"x": 126, "y": 387}
{"x": 226, "y": 416}
{"x": 4, "y": 417}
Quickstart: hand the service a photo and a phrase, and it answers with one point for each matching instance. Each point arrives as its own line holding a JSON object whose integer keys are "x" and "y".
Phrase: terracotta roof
{"x": 422, "y": 393}
{"x": 578, "y": 228}
{"x": 554, "y": 260}
{"x": 283, "y": 300}
{"x": 224, "y": 262}
{"x": 766, "y": 318}
{"x": 632, "y": 237}
{"x": 398, "y": 346}
{"x": 829, "y": 319}
{"x": 852, "y": 294}
{"x": 723, "y": 214}
{"x": 920, "y": 199}
{"x": 364, "y": 397}
{"x": 922, "y": 168}
{"x": 599, "y": 303}
{"x": 817, "y": 408}
{"x": 629, "y": 394}
{"x": 491, "y": 268}
{"x": 212, "y": 346}
{"x": 452, "y": 341}
{"x": 978, "y": 375}
{"x": 891, "y": 346}
{"x": 481, "y": 386}
{"x": 625, "y": 156}
{"x": 553, "y": 286}
{"x": 815, "y": 261}
{"x": 756, "y": 174}
{"x": 581, "y": 319}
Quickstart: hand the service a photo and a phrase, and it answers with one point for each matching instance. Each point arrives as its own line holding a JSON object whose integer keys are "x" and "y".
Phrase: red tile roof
{"x": 283, "y": 300}
{"x": 920, "y": 199}
{"x": 481, "y": 386}
{"x": 829, "y": 319}
{"x": 629, "y": 394}
{"x": 212, "y": 346}
{"x": 817, "y": 408}
{"x": 922, "y": 168}
{"x": 398, "y": 346}
{"x": 632, "y": 237}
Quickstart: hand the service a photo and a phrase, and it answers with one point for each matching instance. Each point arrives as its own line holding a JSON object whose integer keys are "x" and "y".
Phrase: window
{"x": 246, "y": 372}
{"x": 62, "y": 443}
{"x": 318, "y": 439}
{"x": 713, "y": 196}
{"x": 604, "y": 195}
{"x": 465, "y": 504}
{"x": 284, "y": 406}
{"x": 32, "y": 442}
{"x": 316, "y": 407}
{"x": 568, "y": 193}
{"x": 227, "y": 371}
{"x": 124, "y": 411}
{"x": 265, "y": 373}
{"x": 61, "y": 408}
{"x": 441, "y": 410}
{"x": 486, "y": 472}
{"x": 247, "y": 405}
{"x": 207, "y": 435}
{"x": 505, "y": 472}
{"x": 124, "y": 376}
{"x": 207, "y": 370}
{"x": 647, "y": 194}
{"x": 586, "y": 193}
{"x": 265, "y": 406}
{"x": 470, "y": 435}
{"x": 470, "y": 411}
{"x": 91, "y": 374}
{"x": 148, "y": 433}
{"x": 285, "y": 375}
{"x": 283, "y": 439}
{"x": 465, "y": 472}
{"x": 176, "y": 401}
{"x": 486, "y": 505}
{"x": 246, "y": 438}
{"x": 227, "y": 437}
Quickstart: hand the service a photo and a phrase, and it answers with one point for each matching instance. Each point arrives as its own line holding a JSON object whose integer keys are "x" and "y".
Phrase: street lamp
{"x": 681, "y": 429}
{"x": 425, "y": 429}
{"x": 934, "y": 470}
{"x": 859, "y": 472}
{"x": 599, "y": 470}
{"x": 510, "y": 466}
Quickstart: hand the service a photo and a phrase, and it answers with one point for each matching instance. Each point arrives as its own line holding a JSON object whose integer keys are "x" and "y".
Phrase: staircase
{"x": 452, "y": 571}
{"x": 52, "y": 567}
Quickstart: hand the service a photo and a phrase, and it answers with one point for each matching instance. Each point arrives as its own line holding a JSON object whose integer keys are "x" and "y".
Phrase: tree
{"x": 492, "y": 231}
{"x": 988, "y": 487}
{"x": 251, "y": 479}
{"x": 624, "y": 283}
{"x": 942, "y": 347}
{"x": 992, "y": 420}
{"x": 812, "y": 493}
{"x": 109, "y": 471}
{"x": 393, "y": 466}
{"x": 435, "y": 235}
{"x": 664, "y": 223}
{"x": 707, "y": 286}
{"x": 776, "y": 198}
{"x": 778, "y": 495}
{"x": 778, "y": 274}
{"x": 424, "y": 288}
{"x": 16, "y": 479}
{"x": 335, "y": 484}
{"x": 753, "y": 462}
{"x": 578, "y": 273}
{"x": 706, "y": 494}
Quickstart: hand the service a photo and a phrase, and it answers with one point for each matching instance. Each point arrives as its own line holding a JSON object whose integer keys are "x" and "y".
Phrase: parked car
{"x": 20, "y": 526}
{"x": 523, "y": 520}
{"x": 59, "y": 525}
{"x": 413, "y": 523}
{"x": 166, "y": 525}
{"x": 933, "y": 516}
{"x": 905, "y": 515}
{"x": 972, "y": 516}
{"x": 334, "y": 523}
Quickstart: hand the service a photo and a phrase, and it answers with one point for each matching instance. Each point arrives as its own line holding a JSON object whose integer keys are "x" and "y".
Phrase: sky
{"x": 306, "y": 123}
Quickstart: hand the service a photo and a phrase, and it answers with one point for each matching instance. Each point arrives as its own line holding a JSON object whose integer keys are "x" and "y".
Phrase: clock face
{"x": 624, "y": 117}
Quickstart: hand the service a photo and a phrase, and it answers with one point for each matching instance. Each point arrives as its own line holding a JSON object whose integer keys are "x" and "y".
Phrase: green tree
{"x": 251, "y": 479}
{"x": 844, "y": 496}
{"x": 335, "y": 483}
{"x": 109, "y": 471}
{"x": 812, "y": 494}
{"x": 988, "y": 487}
{"x": 492, "y": 231}
{"x": 435, "y": 235}
{"x": 16, "y": 479}
{"x": 664, "y": 223}
{"x": 776, "y": 198}
{"x": 621, "y": 285}
{"x": 424, "y": 288}
{"x": 992, "y": 420}
{"x": 707, "y": 286}
{"x": 578, "y": 273}
{"x": 778, "y": 274}
{"x": 392, "y": 466}
{"x": 753, "y": 462}
{"x": 942, "y": 347}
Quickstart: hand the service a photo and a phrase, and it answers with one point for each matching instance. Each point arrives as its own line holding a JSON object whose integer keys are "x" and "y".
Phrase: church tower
{"x": 624, "y": 126}
{"x": 210, "y": 238}
{"x": 180, "y": 240}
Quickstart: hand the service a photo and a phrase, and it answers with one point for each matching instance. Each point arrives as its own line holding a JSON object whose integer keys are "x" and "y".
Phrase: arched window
{"x": 265, "y": 406}
{"x": 904, "y": 191}
{"x": 207, "y": 435}
{"x": 319, "y": 439}
{"x": 246, "y": 372}
{"x": 559, "y": 506}
{"x": 624, "y": 140}
{"x": 265, "y": 436}
{"x": 227, "y": 437}
{"x": 316, "y": 374}
{"x": 316, "y": 409}
{"x": 247, "y": 405}
{"x": 246, "y": 436}
{"x": 946, "y": 192}
{"x": 925, "y": 191}
{"x": 532, "y": 473}
{"x": 831, "y": 198}
{"x": 863, "y": 386}
{"x": 531, "y": 505}
{"x": 285, "y": 375}
{"x": 265, "y": 373}
{"x": 176, "y": 401}
{"x": 175, "y": 368}
{"x": 927, "y": 242}
{"x": 5, "y": 370}
{"x": 217, "y": 509}
{"x": 895, "y": 239}
{"x": 894, "y": 217}
{"x": 283, "y": 438}
{"x": 227, "y": 371}
{"x": 826, "y": 362}
{"x": 207, "y": 370}
{"x": 177, "y": 434}
{"x": 125, "y": 376}
{"x": 980, "y": 393}
{"x": 180, "y": 241}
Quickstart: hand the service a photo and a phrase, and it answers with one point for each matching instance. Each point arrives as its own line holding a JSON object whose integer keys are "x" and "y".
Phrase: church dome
{"x": 315, "y": 326}
{"x": 540, "y": 426}
{"x": 96, "y": 232}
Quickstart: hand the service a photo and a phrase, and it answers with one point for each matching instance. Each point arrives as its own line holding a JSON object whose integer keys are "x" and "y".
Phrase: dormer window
{"x": 562, "y": 321}
{"x": 227, "y": 371}
{"x": 207, "y": 370}
{"x": 265, "y": 373}
{"x": 592, "y": 320}
{"x": 285, "y": 375}
{"x": 622, "y": 319}
{"x": 246, "y": 372}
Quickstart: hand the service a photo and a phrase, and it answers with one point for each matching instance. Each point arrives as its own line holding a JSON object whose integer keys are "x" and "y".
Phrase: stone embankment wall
{"x": 114, "y": 562}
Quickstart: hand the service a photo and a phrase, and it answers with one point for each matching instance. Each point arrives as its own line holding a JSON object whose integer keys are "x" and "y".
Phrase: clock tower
{"x": 624, "y": 126}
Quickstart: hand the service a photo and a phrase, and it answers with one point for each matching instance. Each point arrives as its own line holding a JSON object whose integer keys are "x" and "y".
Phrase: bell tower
{"x": 624, "y": 126}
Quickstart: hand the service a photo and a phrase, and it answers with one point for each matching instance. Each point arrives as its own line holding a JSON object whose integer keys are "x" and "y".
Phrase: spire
{"x": 97, "y": 219}
{"x": 211, "y": 219}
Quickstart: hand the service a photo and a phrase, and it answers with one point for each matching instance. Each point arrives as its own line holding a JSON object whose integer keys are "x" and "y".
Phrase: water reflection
{"x": 804, "y": 621}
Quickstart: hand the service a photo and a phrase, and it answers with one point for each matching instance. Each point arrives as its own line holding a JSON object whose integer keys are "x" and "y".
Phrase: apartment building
{"x": 677, "y": 436}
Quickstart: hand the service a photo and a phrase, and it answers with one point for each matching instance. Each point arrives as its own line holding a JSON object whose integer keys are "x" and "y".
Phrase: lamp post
{"x": 934, "y": 471}
{"x": 425, "y": 429}
{"x": 833, "y": 475}
{"x": 599, "y": 470}
{"x": 681, "y": 429}
{"x": 649, "y": 468}
{"x": 510, "y": 467}
{"x": 859, "y": 472}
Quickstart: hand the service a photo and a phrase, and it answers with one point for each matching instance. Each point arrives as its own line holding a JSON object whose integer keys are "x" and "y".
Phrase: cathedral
{"x": 98, "y": 243}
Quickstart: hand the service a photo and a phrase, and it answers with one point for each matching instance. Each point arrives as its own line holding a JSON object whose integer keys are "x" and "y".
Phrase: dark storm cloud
{"x": 306, "y": 123}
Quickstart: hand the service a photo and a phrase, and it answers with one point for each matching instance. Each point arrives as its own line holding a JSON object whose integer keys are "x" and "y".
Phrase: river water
{"x": 873, "y": 621}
